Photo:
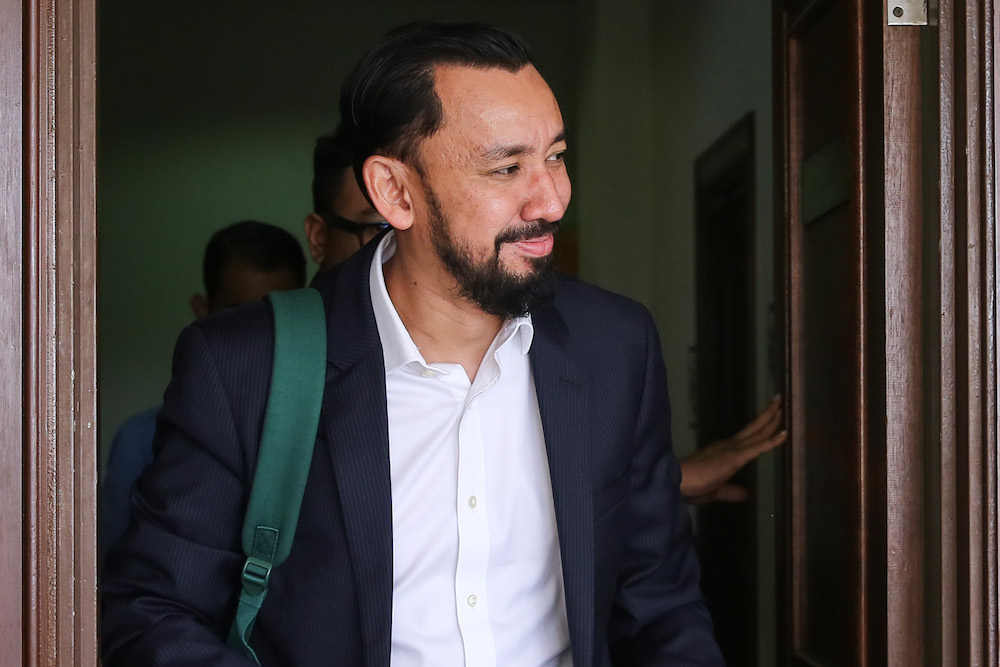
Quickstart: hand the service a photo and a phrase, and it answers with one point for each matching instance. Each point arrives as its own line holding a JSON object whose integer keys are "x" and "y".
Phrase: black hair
{"x": 331, "y": 158}
{"x": 262, "y": 246}
{"x": 388, "y": 103}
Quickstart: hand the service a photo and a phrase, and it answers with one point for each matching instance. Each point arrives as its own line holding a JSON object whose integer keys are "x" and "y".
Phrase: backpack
{"x": 286, "y": 448}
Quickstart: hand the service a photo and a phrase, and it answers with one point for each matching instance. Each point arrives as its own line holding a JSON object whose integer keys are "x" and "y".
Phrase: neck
{"x": 445, "y": 326}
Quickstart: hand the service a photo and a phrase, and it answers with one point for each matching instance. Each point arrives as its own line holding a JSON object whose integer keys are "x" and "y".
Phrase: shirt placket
{"x": 472, "y": 599}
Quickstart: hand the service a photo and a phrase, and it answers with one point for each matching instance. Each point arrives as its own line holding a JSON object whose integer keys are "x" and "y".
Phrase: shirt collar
{"x": 398, "y": 349}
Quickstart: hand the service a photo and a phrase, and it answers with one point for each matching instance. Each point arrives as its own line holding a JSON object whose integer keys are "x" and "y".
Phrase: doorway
{"x": 55, "y": 465}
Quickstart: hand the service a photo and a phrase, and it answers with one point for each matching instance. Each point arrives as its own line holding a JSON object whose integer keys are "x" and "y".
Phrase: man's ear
{"x": 388, "y": 183}
{"x": 315, "y": 228}
{"x": 199, "y": 305}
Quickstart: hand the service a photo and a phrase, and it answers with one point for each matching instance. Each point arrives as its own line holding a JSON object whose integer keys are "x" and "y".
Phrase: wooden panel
{"x": 59, "y": 441}
{"x": 831, "y": 254}
{"x": 828, "y": 487}
{"x": 941, "y": 431}
{"x": 963, "y": 585}
{"x": 11, "y": 71}
{"x": 826, "y": 329}
{"x": 904, "y": 481}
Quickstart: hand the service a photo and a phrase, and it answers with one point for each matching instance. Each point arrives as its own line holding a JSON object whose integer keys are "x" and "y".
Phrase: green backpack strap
{"x": 286, "y": 447}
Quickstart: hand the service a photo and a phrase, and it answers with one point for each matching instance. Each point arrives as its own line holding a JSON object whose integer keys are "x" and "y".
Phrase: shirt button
{"x": 473, "y": 600}
{"x": 473, "y": 502}
{"x": 428, "y": 374}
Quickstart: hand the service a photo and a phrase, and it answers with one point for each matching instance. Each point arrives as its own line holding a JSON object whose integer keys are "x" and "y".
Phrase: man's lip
{"x": 539, "y": 246}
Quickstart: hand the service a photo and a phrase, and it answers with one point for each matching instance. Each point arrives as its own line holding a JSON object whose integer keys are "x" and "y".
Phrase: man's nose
{"x": 547, "y": 197}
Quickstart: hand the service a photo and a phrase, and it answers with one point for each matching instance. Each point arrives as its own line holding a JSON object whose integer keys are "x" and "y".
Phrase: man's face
{"x": 494, "y": 185}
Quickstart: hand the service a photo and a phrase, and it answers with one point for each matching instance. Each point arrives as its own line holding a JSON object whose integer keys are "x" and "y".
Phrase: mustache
{"x": 529, "y": 230}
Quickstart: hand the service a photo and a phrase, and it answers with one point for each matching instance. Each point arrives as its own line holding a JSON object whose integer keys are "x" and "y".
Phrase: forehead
{"x": 486, "y": 106}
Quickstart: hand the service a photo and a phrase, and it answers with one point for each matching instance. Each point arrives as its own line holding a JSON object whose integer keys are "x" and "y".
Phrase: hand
{"x": 704, "y": 473}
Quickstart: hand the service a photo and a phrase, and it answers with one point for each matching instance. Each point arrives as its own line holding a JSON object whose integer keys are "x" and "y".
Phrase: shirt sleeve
{"x": 131, "y": 451}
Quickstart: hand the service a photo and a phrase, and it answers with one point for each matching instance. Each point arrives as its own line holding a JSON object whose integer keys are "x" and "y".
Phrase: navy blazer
{"x": 170, "y": 586}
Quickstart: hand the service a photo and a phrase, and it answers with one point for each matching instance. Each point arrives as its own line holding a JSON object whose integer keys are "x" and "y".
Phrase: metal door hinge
{"x": 907, "y": 12}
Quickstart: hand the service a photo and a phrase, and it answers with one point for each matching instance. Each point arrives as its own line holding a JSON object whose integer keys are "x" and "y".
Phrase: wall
{"x": 662, "y": 82}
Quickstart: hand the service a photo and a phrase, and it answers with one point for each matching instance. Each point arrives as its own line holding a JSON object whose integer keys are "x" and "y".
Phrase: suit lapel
{"x": 355, "y": 426}
{"x": 561, "y": 387}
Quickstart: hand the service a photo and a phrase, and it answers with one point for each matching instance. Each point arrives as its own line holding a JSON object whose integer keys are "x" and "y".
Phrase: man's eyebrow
{"x": 504, "y": 151}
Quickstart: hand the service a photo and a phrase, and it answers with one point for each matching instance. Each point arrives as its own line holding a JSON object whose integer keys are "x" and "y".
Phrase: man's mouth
{"x": 539, "y": 246}
{"x": 536, "y": 240}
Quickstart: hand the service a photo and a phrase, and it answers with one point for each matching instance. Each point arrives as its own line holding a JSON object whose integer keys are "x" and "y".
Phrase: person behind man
{"x": 343, "y": 220}
{"x": 493, "y": 481}
{"x": 242, "y": 262}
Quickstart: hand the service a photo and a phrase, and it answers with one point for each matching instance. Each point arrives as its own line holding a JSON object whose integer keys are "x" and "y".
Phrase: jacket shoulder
{"x": 590, "y": 310}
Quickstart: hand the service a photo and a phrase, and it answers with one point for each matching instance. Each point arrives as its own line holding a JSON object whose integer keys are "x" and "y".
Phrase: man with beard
{"x": 343, "y": 221}
{"x": 493, "y": 481}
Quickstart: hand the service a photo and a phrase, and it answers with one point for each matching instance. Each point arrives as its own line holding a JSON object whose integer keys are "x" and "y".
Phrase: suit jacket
{"x": 631, "y": 576}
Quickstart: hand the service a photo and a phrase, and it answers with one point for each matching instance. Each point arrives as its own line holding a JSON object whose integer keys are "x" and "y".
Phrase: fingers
{"x": 750, "y": 449}
{"x": 764, "y": 423}
{"x": 728, "y": 493}
{"x": 768, "y": 444}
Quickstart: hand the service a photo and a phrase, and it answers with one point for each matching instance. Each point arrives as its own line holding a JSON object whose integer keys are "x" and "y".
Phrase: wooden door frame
{"x": 11, "y": 76}
{"x": 941, "y": 338}
{"x": 961, "y": 559}
{"x": 48, "y": 333}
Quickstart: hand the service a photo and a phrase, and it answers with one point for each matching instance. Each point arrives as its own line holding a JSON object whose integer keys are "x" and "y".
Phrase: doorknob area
{"x": 907, "y": 12}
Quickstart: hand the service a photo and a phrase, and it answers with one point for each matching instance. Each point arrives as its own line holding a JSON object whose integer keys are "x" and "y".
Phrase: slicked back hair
{"x": 388, "y": 103}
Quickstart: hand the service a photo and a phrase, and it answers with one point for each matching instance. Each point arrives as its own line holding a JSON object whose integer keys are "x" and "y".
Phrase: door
{"x": 828, "y": 234}
{"x": 888, "y": 297}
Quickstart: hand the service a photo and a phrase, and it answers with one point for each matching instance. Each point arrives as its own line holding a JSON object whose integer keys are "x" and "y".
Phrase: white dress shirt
{"x": 477, "y": 576}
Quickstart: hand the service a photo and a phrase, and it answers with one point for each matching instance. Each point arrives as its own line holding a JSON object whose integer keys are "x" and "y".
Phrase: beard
{"x": 486, "y": 282}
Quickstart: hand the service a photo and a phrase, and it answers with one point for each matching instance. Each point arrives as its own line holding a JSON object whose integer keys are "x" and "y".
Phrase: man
{"x": 493, "y": 482}
{"x": 342, "y": 220}
{"x": 242, "y": 262}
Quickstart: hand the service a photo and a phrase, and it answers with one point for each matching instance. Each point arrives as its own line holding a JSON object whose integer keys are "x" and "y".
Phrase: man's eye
{"x": 506, "y": 171}
{"x": 557, "y": 157}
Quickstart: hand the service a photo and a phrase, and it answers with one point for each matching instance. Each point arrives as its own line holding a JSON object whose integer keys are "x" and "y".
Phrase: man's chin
{"x": 517, "y": 294}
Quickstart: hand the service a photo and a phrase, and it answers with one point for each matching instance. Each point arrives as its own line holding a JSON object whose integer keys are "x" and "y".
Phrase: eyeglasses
{"x": 365, "y": 231}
